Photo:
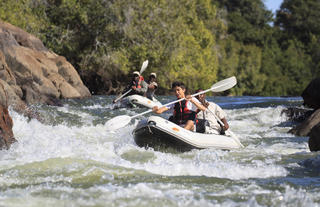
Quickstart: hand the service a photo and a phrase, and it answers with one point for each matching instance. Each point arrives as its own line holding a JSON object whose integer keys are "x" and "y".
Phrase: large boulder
{"x": 314, "y": 140}
{"x": 32, "y": 73}
{"x": 311, "y": 97}
{"x": 305, "y": 127}
{"x": 311, "y": 94}
{"x": 6, "y": 134}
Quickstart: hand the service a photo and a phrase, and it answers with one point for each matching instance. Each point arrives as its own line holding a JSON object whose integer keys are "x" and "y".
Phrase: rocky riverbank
{"x": 30, "y": 74}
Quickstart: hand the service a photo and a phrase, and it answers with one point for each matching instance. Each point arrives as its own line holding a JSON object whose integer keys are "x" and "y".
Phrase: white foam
{"x": 63, "y": 154}
{"x": 37, "y": 142}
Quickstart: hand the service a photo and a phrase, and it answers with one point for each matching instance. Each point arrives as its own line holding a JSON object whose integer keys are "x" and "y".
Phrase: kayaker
{"x": 152, "y": 86}
{"x": 137, "y": 85}
{"x": 184, "y": 112}
{"x": 212, "y": 108}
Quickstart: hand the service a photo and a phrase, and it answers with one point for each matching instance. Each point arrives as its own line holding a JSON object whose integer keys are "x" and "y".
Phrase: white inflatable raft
{"x": 139, "y": 101}
{"x": 161, "y": 134}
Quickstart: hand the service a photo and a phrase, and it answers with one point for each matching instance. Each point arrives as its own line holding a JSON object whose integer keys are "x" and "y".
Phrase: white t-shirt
{"x": 210, "y": 117}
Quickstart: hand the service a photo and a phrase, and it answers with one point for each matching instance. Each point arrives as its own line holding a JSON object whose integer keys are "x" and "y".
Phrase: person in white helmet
{"x": 152, "y": 86}
{"x": 137, "y": 85}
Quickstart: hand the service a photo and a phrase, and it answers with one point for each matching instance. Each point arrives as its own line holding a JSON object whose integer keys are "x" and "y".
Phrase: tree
{"x": 247, "y": 19}
{"x": 300, "y": 18}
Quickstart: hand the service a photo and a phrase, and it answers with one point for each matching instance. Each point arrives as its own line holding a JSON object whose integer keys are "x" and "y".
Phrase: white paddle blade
{"x": 118, "y": 122}
{"x": 224, "y": 84}
{"x": 144, "y": 66}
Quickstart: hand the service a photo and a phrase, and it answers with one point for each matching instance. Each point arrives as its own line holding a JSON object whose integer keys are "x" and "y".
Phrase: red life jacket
{"x": 181, "y": 113}
{"x": 138, "y": 84}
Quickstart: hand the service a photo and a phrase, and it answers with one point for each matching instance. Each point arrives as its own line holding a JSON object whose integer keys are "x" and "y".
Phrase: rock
{"x": 20, "y": 37}
{"x": 311, "y": 94}
{"x": 311, "y": 164}
{"x": 8, "y": 96}
{"x": 32, "y": 73}
{"x": 6, "y": 134}
{"x": 305, "y": 127}
{"x": 29, "y": 74}
{"x": 297, "y": 114}
{"x": 314, "y": 140}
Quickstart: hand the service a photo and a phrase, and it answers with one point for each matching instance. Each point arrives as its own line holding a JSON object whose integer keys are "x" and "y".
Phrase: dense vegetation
{"x": 196, "y": 41}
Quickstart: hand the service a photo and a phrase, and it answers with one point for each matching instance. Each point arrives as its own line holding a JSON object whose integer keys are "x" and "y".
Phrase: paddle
{"x": 143, "y": 67}
{"x": 122, "y": 120}
{"x": 222, "y": 124}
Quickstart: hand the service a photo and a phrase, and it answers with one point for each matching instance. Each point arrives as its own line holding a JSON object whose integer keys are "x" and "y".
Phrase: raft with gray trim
{"x": 161, "y": 134}
{"x": 137, "y": 101}
{"x": 142, "y": 101}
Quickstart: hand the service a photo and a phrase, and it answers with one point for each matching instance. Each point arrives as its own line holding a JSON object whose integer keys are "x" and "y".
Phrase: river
{"x": 70, "y": 159}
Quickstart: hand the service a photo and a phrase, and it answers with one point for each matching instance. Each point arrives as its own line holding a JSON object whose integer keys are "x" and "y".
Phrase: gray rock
{"x": 314, "y": 140}
{"x": 311, "y": 94}
{"x": 30, "y": 73}
{"x": 305, "y": 127}
{"x": 34, "y": 74}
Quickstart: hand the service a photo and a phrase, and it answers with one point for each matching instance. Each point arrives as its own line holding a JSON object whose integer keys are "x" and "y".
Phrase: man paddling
{"x": 184, "y": 112}
{"x": 136, "y": 86}
{"x": 152, "y": 86}
{"x": 212, "y": 112}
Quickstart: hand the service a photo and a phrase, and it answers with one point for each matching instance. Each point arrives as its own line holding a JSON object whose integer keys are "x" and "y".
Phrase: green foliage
{"x": 175, "y": 36}
{"x": 243, "y": 61}
{"x": 271, "y": 57}
{"x": 24, "y": 14}
{"x": 248, "y": 20}
{"x": 300, "y": 18}
{"x": 295, "y": 67}
{"x": 194, "y": 41}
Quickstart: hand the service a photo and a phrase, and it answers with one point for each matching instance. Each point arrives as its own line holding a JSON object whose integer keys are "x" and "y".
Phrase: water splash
{"x": 72, "y": 159}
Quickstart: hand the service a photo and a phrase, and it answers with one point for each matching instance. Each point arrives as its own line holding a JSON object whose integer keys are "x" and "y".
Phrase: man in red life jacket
{"x": 137, "y": 85}
{"x": 184, "y": 112}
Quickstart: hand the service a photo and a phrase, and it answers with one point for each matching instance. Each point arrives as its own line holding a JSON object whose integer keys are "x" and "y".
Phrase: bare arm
{"x": 226, "y": 125}
{"x": 160, "y": 110}
{"x": 196, "y": 103}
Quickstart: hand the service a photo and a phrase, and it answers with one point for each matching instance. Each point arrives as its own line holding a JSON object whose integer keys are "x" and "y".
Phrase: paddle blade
{"x": 118, "y": 122}
{"x": 144, "y": 66}
{"x": 224, "y": 84}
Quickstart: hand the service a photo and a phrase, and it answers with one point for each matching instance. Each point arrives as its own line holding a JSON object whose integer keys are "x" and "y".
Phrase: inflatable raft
{"x": 137, "y": 101}
{"x": 161, "y": 134}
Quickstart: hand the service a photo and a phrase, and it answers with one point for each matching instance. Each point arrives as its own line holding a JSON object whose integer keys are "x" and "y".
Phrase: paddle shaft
{"x": 173, "y": 102}
{"x": 122, "y": 95}
{"x": 143, "y": 67}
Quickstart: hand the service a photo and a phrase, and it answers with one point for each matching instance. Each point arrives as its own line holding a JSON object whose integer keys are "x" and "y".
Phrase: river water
{"x": 70, "y": 159}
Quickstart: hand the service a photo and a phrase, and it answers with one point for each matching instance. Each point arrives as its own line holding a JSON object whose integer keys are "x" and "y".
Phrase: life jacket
{"x": 138, "y": 84}
{"x": 181, "y": 113}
